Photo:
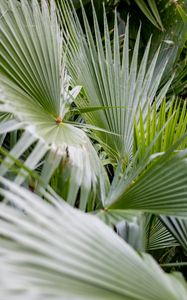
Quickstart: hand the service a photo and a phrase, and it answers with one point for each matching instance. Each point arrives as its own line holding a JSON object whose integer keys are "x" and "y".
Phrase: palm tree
{"x": 75, "y": 101}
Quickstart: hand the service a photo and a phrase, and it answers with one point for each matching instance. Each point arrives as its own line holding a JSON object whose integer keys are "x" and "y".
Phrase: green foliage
{"x": 38, "y": 97}
{"x": 171, "y": 116}
{"x": 70, "y": 254}
{"x": 112, "y": 80}
{"x": 92, "y": 118}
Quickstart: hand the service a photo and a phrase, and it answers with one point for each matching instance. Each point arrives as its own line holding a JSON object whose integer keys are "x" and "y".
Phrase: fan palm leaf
{"x": 35, "y": 85}
{"x": 110, "y": 79}
{"x": 158, "y": 236}
{"x": 58, "y": 251}
{"x": 160, "y": 188}
{"x": 178, "y": 228}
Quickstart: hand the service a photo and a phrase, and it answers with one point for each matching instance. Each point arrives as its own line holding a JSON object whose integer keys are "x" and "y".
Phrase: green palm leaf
{"x": 60, "y": 252}
{"x": 160, "y": 188}
{"x": 151, "y": 12}
{"x": 158, "y": 236}
{"x": 172, "y": 118}
{"x": 178, "y": 228}
{"x": 111, "y": 80}
{"x": 36, "y": 87}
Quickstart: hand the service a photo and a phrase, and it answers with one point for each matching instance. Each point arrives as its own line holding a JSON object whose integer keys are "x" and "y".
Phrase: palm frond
{"x": 160, "y": 188}
{"x": 157, "y": 235}
{"x": 111, "y": 80}
{"x": 178, "y": 228}
{"x": 151, "y": 12}
{"x": 36, "y": 88}
{"x": 49, "y": 248}
{"x": 172, "y": 117}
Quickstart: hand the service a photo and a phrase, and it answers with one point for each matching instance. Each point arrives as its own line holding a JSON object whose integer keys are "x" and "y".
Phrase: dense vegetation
{"x": 93, "y": 174}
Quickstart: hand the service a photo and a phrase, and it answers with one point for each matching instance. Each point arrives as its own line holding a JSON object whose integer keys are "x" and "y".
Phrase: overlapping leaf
{"x": 160, "y": 189}
{"x": 170, "y": 121}
{"x": 110, "y": 79}
{"x": 178, "y": 228}
{"x": 34, "y": 80}
{"x": 158, "y": 236}
{"x": 57, "y": 251}
{"x": 151, "y": 12}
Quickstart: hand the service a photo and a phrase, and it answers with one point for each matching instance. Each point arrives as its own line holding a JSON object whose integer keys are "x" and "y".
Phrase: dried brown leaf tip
{"x": 58, "y": 120}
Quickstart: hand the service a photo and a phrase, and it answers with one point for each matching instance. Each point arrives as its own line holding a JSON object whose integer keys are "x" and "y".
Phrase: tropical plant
{"x": 90, "y": 119}
{"x": 68, "y": 254}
